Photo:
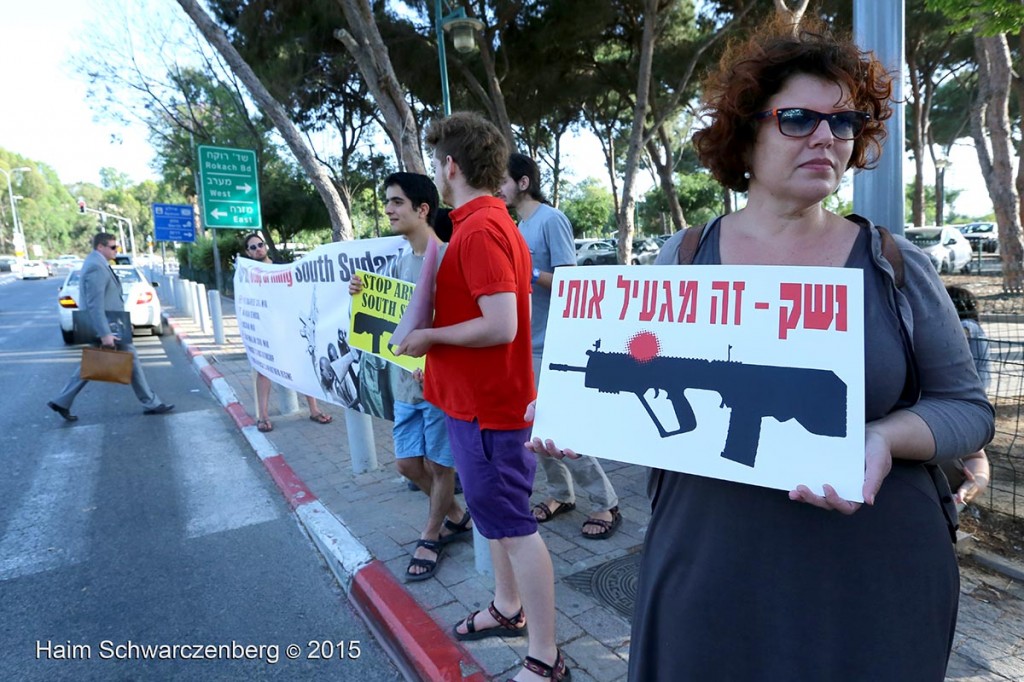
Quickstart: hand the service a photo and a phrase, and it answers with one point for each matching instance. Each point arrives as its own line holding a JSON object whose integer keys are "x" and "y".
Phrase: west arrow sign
{"x": 230, "y": 188}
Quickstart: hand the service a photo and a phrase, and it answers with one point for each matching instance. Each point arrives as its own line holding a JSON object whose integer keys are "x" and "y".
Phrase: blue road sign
{"x": 173, "y": 223}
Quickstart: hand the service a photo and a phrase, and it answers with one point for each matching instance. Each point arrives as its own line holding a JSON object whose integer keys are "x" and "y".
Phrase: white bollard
{"x": 216, "y": 317}
{"x": 186, "y": 297}
{"x": 194, "y": 301}
{"x": 361, "y": 445}
{"x": 204, "y": 311}
{"x": 287, "y": 400}
{"x": 169, "y": 286}
{"x": 482, "y": 553}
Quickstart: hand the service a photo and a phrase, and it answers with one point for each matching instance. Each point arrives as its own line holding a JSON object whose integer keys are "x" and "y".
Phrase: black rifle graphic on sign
{"x": 366, "y": 324}
{"x": 816, "y": 398}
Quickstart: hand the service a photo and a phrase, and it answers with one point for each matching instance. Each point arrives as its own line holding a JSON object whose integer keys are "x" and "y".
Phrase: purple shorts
{"x": 497, "y": 477}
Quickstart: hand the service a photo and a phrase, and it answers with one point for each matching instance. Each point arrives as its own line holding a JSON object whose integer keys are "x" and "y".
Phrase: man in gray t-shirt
{"x": 549, "y": 235}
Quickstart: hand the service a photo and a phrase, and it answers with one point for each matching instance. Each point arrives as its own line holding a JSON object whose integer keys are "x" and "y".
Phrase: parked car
{"x": 645, "y": 251}
{"x": 32, "y": 269}
{"x": 140, "y": 300}
{"x": 982, "y": 237}
{"x": 596, "y": 252}
{"x": 948, "y": 250}
{"x": 7, "y": 263}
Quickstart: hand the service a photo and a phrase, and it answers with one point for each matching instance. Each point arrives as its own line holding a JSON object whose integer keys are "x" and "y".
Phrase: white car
{"x": 948, "y": 250}
{"x": 32, "y": 269}
{"x": 140, "y": 300}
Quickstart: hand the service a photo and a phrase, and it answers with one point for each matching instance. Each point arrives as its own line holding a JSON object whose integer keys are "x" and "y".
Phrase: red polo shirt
{"x": 487, "y": 255}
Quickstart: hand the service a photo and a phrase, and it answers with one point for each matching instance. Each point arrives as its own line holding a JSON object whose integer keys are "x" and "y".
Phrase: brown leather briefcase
{"x": 105, "y": 364}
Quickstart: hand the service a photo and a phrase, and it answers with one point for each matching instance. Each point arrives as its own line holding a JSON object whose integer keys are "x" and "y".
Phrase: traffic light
{"x": 81, "y": 205}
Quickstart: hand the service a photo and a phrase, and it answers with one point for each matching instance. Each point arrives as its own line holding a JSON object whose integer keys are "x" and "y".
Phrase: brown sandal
{"x": 506, "y": 627}
{"x": 321, "y": 418}
{"x": 543, "y": 513}
{"x": 559, "y": 672}
{"x": 264, "y": 426}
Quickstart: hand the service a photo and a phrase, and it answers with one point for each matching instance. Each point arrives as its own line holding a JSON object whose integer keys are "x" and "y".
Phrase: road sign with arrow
{"x": 230, "y": 188}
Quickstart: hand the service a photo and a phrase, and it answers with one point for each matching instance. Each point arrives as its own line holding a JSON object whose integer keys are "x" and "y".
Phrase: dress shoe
{"x": 62, "y": 411}
{"x": 162, "y": 408}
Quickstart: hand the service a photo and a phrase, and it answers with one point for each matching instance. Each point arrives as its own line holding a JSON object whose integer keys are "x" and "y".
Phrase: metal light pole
{"x": 17, "y": 236}
{"x": 941, "y": 164}
{"x": 878, "y": 25}
{"x": 462, "y": 29}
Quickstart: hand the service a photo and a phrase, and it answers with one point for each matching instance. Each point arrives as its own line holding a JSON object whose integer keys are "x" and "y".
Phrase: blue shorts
{"x": 496, "y": 471}
{"x": 420, "y": 431}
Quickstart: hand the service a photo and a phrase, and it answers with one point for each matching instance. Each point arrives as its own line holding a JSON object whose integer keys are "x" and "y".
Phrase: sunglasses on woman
{"x": 257, "y": 245}
{"x": 797, "y": 122}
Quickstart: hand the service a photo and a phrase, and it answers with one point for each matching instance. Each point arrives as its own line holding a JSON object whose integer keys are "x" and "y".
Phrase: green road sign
{"x": 231, "y": 193}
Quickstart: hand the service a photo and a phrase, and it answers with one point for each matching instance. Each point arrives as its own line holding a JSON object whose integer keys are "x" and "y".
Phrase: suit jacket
{"x": 99, "y": 291}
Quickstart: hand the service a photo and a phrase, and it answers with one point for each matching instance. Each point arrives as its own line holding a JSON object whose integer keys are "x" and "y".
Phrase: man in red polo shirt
{"x": 479, "y": 371}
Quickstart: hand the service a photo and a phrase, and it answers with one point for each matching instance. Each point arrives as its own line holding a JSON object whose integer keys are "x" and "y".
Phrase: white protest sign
{"x": 752, "y": 374}
{"x": 294, "y": 318}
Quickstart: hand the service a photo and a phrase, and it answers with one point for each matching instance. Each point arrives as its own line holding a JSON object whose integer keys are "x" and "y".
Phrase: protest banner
{"x": 376, "y": 312}
{"x": 294, "y": 320}
{"x": 752, "y": 374}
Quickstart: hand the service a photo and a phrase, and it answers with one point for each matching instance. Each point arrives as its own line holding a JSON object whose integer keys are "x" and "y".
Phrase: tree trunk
{"x": 666, "y": 178}
{"x": 917, "y": 214}
{"x": 494, "y": 89}
{"x": 341, "y": 223}
{"x": 994, "y": 77}
{"x": 366, "y": 46}
{"x": 636, "y": 136}
{"x": 793, "y": 16}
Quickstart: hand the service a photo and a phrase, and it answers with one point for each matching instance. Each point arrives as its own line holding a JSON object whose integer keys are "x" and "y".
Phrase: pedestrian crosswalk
{"x": 220, "y": 488}
{"x": 47, "y": 524}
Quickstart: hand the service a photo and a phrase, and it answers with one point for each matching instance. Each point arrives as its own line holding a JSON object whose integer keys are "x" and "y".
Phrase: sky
{"x": 45, "y": 116}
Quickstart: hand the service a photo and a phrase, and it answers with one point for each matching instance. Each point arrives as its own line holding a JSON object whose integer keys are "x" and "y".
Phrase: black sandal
{"x": 434, "y": 546}
{"x": 543, "y": 513}
{"x": 506, "y": 627}
{"x": 557, "y": 672}
{"x": 457, "y": 531}
{"x": 608, "y": 527}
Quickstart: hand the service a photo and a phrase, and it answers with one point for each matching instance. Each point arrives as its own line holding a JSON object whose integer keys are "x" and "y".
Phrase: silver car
{"x": 948, "y": 250}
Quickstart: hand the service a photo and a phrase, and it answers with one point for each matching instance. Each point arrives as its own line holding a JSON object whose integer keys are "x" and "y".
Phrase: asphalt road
{"x": 123, "y": 535}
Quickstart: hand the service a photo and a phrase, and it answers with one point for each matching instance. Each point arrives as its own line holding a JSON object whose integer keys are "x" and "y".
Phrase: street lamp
{"x": 941, "y": 164}
{"x": 463, "y": 31}
{"x": 19, "y": 243}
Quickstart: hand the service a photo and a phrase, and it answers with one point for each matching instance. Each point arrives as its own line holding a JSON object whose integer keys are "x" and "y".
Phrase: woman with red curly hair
{"x": 740, "y": 582}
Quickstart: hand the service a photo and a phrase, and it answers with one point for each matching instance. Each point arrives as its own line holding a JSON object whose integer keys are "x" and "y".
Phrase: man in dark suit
{"x": 100, "y": 292}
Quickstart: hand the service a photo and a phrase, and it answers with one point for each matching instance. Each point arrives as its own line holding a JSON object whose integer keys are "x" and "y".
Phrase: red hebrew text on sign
{"x": 817, "y": 305}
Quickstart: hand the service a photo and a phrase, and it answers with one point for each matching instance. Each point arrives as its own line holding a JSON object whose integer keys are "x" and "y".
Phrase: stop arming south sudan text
{"x": 108, "y": 650}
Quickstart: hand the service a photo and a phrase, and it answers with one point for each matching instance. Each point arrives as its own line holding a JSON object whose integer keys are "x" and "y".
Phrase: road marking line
{"x": 48, "y": 529}
{"x": 221, "y": 489}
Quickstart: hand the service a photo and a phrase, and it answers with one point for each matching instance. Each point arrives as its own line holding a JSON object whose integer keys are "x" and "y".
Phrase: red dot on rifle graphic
{"x": 644, "y": 346}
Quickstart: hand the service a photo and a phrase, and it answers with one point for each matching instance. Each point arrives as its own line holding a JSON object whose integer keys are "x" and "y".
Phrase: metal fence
{"x": 1005, "y": 493}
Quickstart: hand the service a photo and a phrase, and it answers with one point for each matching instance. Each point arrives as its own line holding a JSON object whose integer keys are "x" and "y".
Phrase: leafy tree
{"x": 590, "y": 208}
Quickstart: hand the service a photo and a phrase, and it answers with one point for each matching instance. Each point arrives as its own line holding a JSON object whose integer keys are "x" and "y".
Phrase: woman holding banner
{"x": 742, "y": 582}
{"x": 255, "y": 248}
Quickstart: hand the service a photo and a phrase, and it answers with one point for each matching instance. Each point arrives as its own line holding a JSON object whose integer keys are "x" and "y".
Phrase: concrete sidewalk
{"x": 367, "y": 525}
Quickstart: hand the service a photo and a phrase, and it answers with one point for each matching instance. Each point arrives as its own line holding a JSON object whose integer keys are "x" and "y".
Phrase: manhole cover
{"x": 612, "y": 583}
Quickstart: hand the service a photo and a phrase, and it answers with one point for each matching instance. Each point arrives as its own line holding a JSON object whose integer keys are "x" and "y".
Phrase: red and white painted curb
{"x": 384, "y": 603}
